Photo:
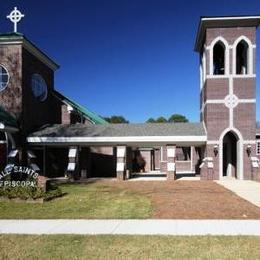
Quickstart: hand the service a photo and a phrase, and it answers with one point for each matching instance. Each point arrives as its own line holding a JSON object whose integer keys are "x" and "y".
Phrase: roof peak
{"x": 19, "y": 38}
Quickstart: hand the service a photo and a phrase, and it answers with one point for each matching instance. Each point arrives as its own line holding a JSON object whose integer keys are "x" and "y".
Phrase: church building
{"x": 43, "y": 129}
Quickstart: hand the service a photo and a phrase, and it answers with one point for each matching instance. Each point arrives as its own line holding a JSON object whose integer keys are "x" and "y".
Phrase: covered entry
{"x": 230, "y": 154}
{"x": 128, "y": 141}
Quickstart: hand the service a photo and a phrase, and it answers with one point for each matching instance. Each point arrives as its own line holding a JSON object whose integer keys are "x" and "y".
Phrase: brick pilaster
{"x": 120, "y": 163}
{"x": 171, "y": 165}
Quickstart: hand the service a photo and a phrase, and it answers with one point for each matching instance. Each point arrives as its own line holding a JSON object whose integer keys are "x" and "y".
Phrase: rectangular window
{"x": 258, "y": 147}
{"x": 183, "y": 153}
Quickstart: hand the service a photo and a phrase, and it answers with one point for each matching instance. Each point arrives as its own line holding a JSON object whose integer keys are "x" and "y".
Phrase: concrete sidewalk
{"x": 248, "y": 190}
{"x": 132, "y": 227}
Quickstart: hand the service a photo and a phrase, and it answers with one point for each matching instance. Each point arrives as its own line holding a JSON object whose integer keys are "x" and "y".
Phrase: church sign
{"x": 18, "y": 176}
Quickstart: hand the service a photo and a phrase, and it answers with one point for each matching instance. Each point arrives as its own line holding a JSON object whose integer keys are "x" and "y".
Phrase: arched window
{"x": 242, "y": 58}
{"x": 219, "y": 58}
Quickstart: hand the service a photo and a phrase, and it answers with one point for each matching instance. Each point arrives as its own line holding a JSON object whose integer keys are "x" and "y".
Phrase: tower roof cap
{"x": 222, "y": 22}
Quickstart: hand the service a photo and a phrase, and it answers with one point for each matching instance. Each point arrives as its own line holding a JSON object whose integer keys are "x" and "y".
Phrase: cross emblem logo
{"x": 15, "y": 17}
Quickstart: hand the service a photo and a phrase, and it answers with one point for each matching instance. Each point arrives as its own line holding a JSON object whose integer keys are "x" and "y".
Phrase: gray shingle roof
{"x": 121, "y": 130}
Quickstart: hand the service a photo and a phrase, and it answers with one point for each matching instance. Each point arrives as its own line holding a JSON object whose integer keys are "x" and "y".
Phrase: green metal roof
{"x": 6, "y": 118}
{"x": 85, "y": 112}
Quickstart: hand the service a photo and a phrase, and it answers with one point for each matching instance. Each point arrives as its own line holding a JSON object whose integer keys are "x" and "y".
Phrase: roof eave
{"x": 77, "y": 107}
{"x": 253, "y": 20}
{"x": 119, "y": 140}
{"x": 32, "y": 48}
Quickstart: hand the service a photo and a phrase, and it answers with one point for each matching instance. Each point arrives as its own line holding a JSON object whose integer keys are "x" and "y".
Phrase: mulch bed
{"x": 192, "y": 200}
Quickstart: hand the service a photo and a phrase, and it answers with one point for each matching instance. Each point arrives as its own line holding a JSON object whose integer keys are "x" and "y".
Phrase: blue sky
{"x": 125, "y": 57}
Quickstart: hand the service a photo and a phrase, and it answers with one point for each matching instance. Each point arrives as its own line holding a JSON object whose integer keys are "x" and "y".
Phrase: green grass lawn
{"x": 128, "y": 247}
{"x": 90, "y": 201}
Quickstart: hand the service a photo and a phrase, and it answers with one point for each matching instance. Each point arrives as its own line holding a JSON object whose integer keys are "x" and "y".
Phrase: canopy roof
{"x": 113, "y": 134}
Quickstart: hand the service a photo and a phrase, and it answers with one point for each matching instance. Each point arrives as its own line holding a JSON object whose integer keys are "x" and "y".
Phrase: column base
{"x": 120, "y": 176}
{"x": 171, "y": 176}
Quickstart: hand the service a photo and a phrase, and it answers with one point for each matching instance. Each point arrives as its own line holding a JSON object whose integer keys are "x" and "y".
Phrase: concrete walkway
{"x": 132, "y": 227}
{"x": 248, "y": 190}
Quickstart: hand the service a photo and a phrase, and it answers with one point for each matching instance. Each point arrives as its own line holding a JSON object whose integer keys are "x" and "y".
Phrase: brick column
{"x": 193, "y": 159}
{"x": 171, "y": 165}
{"x": 163, "y": 159}
{"x": 120, "y": 163}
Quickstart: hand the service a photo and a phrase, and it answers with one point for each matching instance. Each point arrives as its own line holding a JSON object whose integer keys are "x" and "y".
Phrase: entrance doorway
{"x": 230, "y": 146}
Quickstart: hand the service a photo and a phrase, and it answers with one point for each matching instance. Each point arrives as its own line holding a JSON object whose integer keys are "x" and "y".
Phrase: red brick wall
{"x": 217, "y": 119}
{"x": 183, "y": 166}
{"x": 147, "y": 157}
{"x": 65, "y": 116}
{"x": 11, "y": 97}
{"x": 230, "y": 34}
{"x": 244, "y": 120}
{"x": 157, "y": 156}
{"x": 244, "y": 88}
{"x": 215, "y": 89}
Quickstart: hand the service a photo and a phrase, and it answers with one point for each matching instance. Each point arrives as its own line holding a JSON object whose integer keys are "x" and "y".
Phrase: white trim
{"x": 232, "y": 75}
{"x": 11, "y": 42}
{"x": 191, "y": 156}
{"x": 217, "y": 76}
{"x": 33, "y": 50}
{"x": 226, "y": 62}
{"x": 247, "y": 100}
{"x": 171, "y": 167}
{"x": 213, "y": 142}
{"x": 188, "y": 172}
{"x": 215, "y": 101}
{"x": 244, "y": 75}
{"x": 249, "y": 141}
{"x": 222, "y": 101}
{"x": 204, "y": 64}
{"x": 120, "y": 166}
{"x": 201, "y": 72}
{"x": 231, "y": 117}
{"x": 171, "y": 151}
{"x": 230, "y": 18}
{"x": 40, "y": 55}
{"x": 7, "y": 72}
{"x": 117, "y": 139}
{"x": 121, "y": 152}
{"x": 2, "y": 142}
{"x": 249, "y": 58}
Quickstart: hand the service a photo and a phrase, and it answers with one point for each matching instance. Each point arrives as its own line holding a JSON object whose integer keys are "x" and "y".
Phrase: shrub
{"x": 26, "y": 193}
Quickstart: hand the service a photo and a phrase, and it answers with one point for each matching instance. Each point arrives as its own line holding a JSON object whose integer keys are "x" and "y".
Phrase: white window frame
{"x": 211, "y": 49}
{"x": 7, "y": 72}
{"x": 250, "y": 66}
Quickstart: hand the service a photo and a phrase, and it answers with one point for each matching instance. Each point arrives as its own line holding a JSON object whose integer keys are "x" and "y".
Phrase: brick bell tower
{"x": 227, "y": 48}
